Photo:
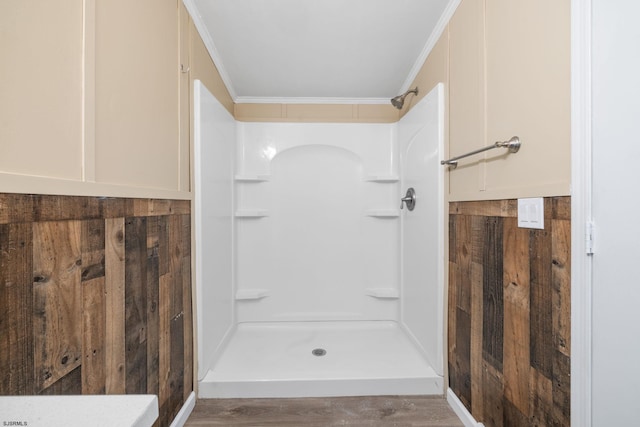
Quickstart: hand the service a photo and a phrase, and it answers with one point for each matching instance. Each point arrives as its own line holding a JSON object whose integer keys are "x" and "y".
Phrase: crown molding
{"x": 210, "y": 45}
{"x": 431, "y": 42}
{"x": 309, "y": 100}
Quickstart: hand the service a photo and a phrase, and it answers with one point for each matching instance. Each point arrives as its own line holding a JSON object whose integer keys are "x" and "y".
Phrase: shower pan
{"x": 310, "y": 279}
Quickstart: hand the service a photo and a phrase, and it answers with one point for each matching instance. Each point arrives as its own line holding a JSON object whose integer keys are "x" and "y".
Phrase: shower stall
{"x": 311, "y": 280}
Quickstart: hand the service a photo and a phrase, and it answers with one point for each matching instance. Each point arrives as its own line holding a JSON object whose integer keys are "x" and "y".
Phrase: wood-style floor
{"x": 397, "y": 411}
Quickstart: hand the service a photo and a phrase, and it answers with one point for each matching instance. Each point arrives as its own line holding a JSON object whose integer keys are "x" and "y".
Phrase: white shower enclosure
{"x": 310, "y": 279}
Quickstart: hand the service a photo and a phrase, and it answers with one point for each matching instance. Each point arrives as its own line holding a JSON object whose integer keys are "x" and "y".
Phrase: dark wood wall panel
{"x": 509, "y": 313}
{"x": 95, "y": 297}
{"x": 57, "y": 296}
{"x": 70, "y": 384}
{"x": 93, "y": 336}
{"x": 153, "y": 303}
{"x": 93, "y": 307}
{"x": 516, "y": 319}
{"x": 176, "y": 367}
{"x": 188, "y": 335}
{"x": 114, "y": 311}
{"x": 492, "y": 293}
{"x": 135, "y": 284}
{"x": 16, "y": 308}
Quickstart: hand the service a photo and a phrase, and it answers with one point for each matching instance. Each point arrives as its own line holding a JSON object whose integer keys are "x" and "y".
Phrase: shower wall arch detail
{"x": 308, "y": 256}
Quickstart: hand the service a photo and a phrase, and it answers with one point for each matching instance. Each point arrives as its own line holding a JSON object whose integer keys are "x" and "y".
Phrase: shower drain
{"x": 318, "y": 351}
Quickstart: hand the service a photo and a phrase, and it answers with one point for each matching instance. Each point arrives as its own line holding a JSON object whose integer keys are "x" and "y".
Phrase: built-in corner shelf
{"x": 383, "y": 293}
{"x": 382, "y": 178}
{"x": 251, "y": 178}
{"x": 252, "y": 213}
{"x": 251, "y": 294}
{"x": 383, "y": 213}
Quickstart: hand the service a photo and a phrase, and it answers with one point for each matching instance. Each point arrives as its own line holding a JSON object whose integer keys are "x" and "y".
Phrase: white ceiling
{"x": 319, "y": 50}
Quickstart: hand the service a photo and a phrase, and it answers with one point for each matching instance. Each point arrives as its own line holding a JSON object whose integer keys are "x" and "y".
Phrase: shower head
{"x": 398, "y": 101}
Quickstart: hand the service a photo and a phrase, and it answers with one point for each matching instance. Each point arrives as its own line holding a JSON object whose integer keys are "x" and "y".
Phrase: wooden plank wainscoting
{"x": 509, "y": 313}
{"x": 95, "y": 297}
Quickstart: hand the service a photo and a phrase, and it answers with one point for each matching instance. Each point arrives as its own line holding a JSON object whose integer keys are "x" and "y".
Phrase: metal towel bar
{"x": 513, "y": 145}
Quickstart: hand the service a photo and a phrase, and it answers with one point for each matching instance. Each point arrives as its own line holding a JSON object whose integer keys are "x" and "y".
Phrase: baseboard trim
{"x": 461, "y": 411}
{"x": 181, "y": 419}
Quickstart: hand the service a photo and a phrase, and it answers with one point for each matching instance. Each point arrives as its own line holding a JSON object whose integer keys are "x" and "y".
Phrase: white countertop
{"x": 134, "y": 410}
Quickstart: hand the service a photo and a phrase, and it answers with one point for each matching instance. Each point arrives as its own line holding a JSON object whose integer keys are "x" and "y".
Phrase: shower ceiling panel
{"x": 312, "y": 49}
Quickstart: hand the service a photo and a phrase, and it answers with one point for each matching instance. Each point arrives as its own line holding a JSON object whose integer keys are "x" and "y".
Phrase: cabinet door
{"x": 528, "y": 95}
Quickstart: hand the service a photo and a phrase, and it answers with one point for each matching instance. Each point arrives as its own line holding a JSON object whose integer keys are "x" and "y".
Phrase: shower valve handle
{"x": 409, "y": 199}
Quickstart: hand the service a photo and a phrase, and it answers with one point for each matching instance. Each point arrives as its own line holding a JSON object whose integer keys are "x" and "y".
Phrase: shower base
{"x": 282, "y": 359}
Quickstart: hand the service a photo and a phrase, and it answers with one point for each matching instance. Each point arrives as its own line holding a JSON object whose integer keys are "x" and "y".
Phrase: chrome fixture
{"x": 513, "y": 145}
{"x": 409, "y": 199}
{"x": 398, "y": 101}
